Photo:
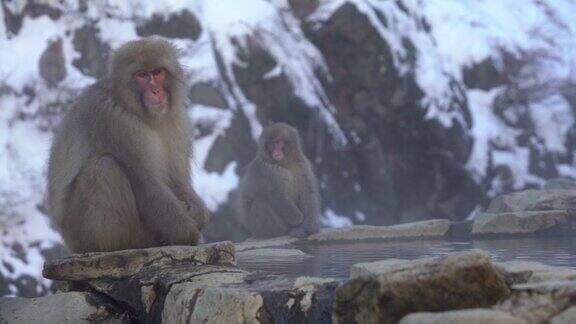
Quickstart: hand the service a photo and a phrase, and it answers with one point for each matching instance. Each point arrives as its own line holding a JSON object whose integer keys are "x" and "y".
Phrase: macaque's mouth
{"x": 155, "y": 100}
{"x": 276, "y": 149}
{"x": 277, "y": 155}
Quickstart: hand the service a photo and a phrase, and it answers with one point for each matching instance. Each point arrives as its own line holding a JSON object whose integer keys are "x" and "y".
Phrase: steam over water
{"x": 334, "y": 260}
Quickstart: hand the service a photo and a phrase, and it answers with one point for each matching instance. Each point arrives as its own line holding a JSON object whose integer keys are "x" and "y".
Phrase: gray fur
{"x": 119, "y": 177}
{"x": 280, "y": 197}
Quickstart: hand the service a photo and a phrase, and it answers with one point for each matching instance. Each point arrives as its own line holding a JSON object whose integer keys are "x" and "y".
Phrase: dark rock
{"x": 191, "y": 293}
{"x": 539, "y": 302}
{"x": 476, "y": 316}
{"x": 93, "y": 52}
{"x": 542, "y": 162}
{"x": 303, "y": 8}
{"x": 65, "y": 308}
{"x": 22, "y": 286}
{"x": 457, "y": 281}
{"x": 207, "y": 94}
{"x": 534, "y": 200}
{"x": 179, "y": 25}
{"x": 521, "y": 222}
{"x": 273, "y": 95}
{"x": 32, "y": 8}
{"x": 461, "y": 229}
{"x": 125, "y": 263}
{"x": 560, "y": 184}
{"x": 236, "y": 144}
{"x": 402, "y": 165}
{"x": 28, "y": 285}
{"x": 52, "y": 65}
{"x": 484, "y": 75}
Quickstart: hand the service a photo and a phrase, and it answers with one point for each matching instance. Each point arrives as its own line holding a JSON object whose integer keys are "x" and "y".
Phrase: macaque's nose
{"x": 153, "y": 81}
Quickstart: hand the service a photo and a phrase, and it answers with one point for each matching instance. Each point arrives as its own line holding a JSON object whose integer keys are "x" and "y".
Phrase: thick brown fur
{"x": 118, "y": 175}
{"x": 280, "y": 197}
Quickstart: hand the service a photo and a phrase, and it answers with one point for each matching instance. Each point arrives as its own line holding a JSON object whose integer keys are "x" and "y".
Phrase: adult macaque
{"x": 278, "y": 193}
{"x": 119, "y": 171}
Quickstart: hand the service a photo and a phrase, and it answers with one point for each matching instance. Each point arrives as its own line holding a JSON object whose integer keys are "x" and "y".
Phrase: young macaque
{"x": 119, "y": 169}
{"x": 279, "y": 193}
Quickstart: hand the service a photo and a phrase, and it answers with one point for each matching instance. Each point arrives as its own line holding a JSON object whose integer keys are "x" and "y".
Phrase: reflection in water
{"x": 334, "y": 260}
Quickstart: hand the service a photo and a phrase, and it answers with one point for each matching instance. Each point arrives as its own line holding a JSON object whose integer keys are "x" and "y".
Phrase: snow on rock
{"x": 331, "y": 219}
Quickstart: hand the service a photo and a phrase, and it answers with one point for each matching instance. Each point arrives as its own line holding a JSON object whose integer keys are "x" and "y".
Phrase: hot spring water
{"x": 334, "y": 260}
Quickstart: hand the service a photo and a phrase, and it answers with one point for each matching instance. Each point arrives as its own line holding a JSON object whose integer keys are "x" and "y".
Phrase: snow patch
{"x": 331, "y": 219}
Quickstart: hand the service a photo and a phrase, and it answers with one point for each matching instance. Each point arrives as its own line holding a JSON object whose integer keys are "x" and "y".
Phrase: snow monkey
{"x": 119, "y": 169}
{"x": 279, "y": 193}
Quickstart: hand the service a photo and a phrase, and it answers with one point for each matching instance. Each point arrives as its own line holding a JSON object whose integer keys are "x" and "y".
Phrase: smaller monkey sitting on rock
{"x": 278, "y": 193}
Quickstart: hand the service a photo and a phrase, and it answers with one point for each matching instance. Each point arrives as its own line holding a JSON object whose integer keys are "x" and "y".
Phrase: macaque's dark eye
{"x": 141, "y": 74}
{"x": 157, "y": 72}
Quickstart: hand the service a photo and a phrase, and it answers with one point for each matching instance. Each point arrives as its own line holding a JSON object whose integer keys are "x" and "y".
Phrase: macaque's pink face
{"x": 276, "y": 149}
{"x": 151, "y": 87}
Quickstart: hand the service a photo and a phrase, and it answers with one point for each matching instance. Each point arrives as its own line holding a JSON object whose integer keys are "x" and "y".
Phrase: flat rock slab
{"x": 560, "y": 183}
{"x": 281, "y": 302}
{"x": 566, "y": 317}
{"x": 471, "y": 316}
{"x": 520, "y": 222}
{"x": 72, "y": 307}
{"x": 273, "y": 254}
{"x": 534, "y": 200}
{"x": 121, "y": 264}
{"x": 216, "y": 294}
{"x": 213, "y": 305}
{"x": 424, "y": 229}
{"x": 251, "y": 244}
{"x": 455, "y": 281}
{"x": 375, "y": 268}
{"x": 539, "y": 302}
{"x": 519, "y": 272}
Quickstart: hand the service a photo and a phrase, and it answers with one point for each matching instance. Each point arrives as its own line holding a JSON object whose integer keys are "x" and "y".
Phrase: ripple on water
{"x": 334, "y": 260}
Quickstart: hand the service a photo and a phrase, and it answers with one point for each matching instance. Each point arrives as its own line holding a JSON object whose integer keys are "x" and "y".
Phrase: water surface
{"x": 334, "y": 260}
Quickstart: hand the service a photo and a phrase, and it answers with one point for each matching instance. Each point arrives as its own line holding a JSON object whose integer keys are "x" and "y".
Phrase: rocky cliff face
{"x": 409, "y": 109}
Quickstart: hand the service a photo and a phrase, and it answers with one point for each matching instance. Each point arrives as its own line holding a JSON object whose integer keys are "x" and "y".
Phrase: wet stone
{"x": 251, "y": 244}
{"x": 533, "y": 200}
{"x": 72, "y": 307}
{"x": 425, "y": 229}
{"x": 560, "y": 183}
{"x": 566, "y": 317}
{"x": 374, "y": 268}
{"x": 539, "y": 302}
{"x": 534, "y": 272}
{"x": 475, "y": 316}
{"x": 519, "y": 222}
{"x": 120, "y": 264}
{"x": 456, "y": 281}
{"x": 273, "y": 254}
